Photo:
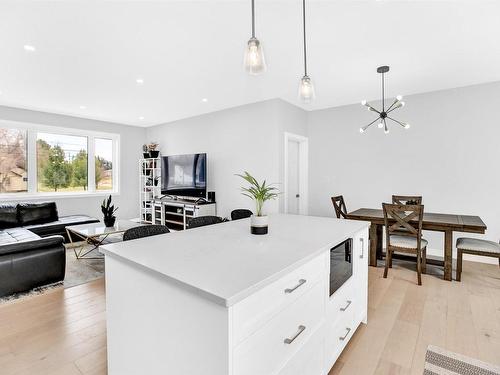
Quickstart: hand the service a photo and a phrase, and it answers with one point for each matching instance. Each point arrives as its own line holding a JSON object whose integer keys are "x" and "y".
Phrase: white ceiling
{"x": 90, "y": 53}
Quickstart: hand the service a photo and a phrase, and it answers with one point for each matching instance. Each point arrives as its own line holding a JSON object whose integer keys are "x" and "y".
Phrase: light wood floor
{"x": 63, "y": 331}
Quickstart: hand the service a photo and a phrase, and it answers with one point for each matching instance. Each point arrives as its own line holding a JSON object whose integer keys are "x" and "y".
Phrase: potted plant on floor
{"x": 108, "y": 211}
{"x": 260, "y": 193}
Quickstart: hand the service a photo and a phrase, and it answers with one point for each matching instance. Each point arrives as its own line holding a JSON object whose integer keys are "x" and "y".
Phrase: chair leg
{"x": 424, "y": 260}
{"x": 459, "y": 265}
{"x": 498, "y": 261}
{"x": 419, "y": 268}
{"x": 388, "y": 259}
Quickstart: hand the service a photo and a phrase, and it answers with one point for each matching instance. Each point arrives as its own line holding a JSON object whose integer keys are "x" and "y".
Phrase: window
{"x": 41, "y": 160}
{"x": 62, "y": 162}
{"x": 103, "y": 151}
{"x": 13, "y": 164}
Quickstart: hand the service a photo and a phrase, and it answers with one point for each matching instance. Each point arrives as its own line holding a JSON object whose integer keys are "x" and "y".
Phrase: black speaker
{"x": 211, "y": 196}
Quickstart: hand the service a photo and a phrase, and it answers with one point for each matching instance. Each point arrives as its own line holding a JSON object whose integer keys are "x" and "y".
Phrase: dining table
{"x": 437, "y": 222}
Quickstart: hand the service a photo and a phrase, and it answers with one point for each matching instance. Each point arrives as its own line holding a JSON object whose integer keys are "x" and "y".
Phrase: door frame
{"x": 303, "y": 172}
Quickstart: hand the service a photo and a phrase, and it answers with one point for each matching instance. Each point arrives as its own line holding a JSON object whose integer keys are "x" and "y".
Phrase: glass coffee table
{"x": 95, "y": 234}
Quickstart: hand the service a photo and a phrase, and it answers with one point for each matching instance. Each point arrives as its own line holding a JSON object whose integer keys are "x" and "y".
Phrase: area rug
{"x": 442, "y": 362}
{"x": 78, "y": 271}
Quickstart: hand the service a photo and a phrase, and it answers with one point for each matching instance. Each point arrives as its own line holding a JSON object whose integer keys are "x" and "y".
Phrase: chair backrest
{"x": 403, "y": 220}
{"x": 339, "y": 206}
{"x": 407, "y": 199}
{"x": 201, "y": 221}
{"x": 144, "y": 231}
{"x": 240, "y": 213}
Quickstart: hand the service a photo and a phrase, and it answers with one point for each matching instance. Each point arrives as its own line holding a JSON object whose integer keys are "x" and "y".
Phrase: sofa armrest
{"x": 40, "y": 243}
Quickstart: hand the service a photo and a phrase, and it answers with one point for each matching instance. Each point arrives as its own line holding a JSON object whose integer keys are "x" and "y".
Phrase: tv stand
{"x": 176, "y": 213}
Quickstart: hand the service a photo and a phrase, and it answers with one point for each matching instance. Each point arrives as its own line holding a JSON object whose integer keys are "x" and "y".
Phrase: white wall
{"x": 131, "y": 141}
{"x": 247, "y": 138}
{"x": 450, "y": 156}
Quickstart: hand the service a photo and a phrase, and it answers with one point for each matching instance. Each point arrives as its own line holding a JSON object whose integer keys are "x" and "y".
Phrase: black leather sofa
{"x": 32, "y": 253}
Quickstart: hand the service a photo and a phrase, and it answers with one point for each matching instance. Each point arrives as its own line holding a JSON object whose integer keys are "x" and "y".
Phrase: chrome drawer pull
{"x": 346, "y": 306}
{"x": 342, "y": 338}
{"x": 362, "y": 248}
{"x": 290, "y": 340}
{"x": 301, "y": 282}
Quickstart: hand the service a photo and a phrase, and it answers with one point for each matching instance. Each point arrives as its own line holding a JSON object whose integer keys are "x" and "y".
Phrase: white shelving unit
{"x": 150, "y": 182}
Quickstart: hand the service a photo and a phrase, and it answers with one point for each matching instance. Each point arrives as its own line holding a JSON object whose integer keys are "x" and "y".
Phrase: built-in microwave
{"x": 340, "y": 264}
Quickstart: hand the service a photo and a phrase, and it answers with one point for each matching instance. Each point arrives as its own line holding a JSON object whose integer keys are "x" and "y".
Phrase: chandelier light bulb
{"x": 254, "y": 61}
{"x": 399, "y": 97}
{"x": 361, "y": 130}
{"x": 406, "y": 126}
{"x": 402, "y": 104}
{"x": 386, "y": 131}
{"x": 380, "y": 125}
{"x": 306, "y": 89}
{"x": 363, "y": 102}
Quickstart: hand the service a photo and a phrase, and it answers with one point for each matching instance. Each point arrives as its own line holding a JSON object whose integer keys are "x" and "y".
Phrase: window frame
{"x": 32, "y": 131}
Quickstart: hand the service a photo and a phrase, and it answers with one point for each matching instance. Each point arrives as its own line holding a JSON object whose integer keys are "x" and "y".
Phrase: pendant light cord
{"x": 383, "y": 93}
{"x": 304, "y": 23}
{"x": 253, "y": 19}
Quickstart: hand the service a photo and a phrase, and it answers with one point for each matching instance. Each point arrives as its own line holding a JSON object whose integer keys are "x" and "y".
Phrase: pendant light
{"x": 254, "y": 54}
{"x": 383, "y": 115}
{"x": 306, "y": 87}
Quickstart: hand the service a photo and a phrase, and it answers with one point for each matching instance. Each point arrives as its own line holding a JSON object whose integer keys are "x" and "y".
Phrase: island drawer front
{"x": 265, "y": 352}
{"x": 253, "y": 312}
{"x": 310, "y": 358}
{"x": 342, "y": 302}
{"x": 338, "y": 335}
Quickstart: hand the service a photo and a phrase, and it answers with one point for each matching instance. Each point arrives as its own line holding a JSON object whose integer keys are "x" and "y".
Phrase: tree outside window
{"x": 13, "y": 172}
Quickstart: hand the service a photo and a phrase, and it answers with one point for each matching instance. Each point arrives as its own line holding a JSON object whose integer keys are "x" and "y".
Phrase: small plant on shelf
{"x": 108, "y": 211}
{"x": 153, "y": 152}
{"x": 260, "y": 193}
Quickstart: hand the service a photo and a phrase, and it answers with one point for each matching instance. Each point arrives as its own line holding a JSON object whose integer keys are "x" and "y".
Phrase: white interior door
{"x": 293, "y": 177}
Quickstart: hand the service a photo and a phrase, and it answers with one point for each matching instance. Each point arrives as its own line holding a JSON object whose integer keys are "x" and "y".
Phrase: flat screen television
{"x": 184, "y": 175}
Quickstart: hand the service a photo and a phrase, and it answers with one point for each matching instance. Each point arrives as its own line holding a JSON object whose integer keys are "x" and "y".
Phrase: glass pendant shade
{"x": 306, "y": 90}
{"x": 255, "y": 62}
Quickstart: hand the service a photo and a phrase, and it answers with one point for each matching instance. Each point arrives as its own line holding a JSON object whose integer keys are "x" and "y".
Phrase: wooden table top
{"x": 431, "y": 221}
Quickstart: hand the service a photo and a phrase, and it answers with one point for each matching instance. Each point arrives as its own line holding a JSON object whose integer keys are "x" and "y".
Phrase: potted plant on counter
{"x": 260, "y": 193}
{"x": 108, "y": 211}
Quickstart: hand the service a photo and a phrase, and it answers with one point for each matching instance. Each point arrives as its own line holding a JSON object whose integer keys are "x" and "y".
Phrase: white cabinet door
{"x": 361, "y": 255}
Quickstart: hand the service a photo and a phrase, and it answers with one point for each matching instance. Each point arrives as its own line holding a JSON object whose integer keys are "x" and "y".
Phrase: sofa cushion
{"x": 59, "y": 226}
{"x": 15, "y": 235}
{"x": 36, "y": 213}
{"x": 31, "y": 244}
{"x": 8, "y": 215}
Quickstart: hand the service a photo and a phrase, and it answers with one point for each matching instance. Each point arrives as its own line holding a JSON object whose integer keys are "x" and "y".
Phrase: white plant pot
{"x": 259, "y": 224}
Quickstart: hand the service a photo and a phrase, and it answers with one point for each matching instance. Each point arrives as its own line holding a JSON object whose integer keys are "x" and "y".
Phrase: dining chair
{"x": 407, "y": 218}
{"x": 475, "y": 246}
{"x": 201, "y": 221}
{"x": 240, "y": 213}
{"x": 406, "y": 199}
{"x": 339, "y": 206}
{"x": 144, "y": 231}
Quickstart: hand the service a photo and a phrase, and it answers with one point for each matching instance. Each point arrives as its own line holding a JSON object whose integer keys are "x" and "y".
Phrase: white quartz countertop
{"x": 225, "y": 263}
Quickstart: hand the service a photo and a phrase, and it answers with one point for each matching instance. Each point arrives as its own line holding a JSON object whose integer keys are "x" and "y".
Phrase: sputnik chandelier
{"x": 383, "y": 115}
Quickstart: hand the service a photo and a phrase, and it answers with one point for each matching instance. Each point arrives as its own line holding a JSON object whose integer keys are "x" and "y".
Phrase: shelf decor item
{"x": 383, "y": 115}
{"x": 145, "y": 151}
{"x": 306, "y": 87}
{"x": 260, "y": 193}
{"x": 108, "y": 211}
{"x": 153, "y": 152}
{"x": 254, "y": 54}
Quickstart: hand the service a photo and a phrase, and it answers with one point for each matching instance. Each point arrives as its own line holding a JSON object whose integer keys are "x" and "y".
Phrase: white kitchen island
{"x": 217, "y": 300}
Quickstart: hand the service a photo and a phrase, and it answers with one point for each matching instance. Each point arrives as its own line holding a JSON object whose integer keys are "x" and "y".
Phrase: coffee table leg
{"x": 448, "y": 254}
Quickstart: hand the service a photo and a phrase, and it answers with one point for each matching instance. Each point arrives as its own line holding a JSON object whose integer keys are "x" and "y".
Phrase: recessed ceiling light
{"x": 29, "y": 48}
{"x": 204, "y": 100}
{"x": 141, "y": 118}
{"x": 83, "y": 107}
{"x": 139, "y": 81}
